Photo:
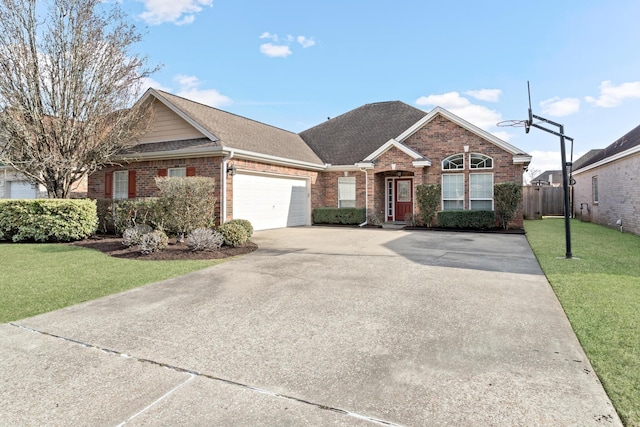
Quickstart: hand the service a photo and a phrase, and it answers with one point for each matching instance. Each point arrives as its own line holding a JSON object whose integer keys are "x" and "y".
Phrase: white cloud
{"x": 560, "y": 107}
{"x": 282, "y": 49}
{"x": 612, "y": 96}
{"x": 490, "y": 95}
{"x": 306, "y": 42}
{"x": 148, "y": 82}
{"x": 275, "y": 50}
{"x": 503, "y": 135}
{"x": 479, "y": 115}
{"x": 189, "y": 87}
{"x": 179, "y": 12}
{"x": 268, "y": 35}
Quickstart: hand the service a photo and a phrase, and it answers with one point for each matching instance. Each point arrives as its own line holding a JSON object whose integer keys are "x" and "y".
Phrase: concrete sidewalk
{"x": 321, "y": 326}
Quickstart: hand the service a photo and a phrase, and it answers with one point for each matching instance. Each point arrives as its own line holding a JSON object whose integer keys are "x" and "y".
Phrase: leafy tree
{"x": 68, "y": 82}
{"x": 507, "y": 197}
{"x": 428, "y": 196}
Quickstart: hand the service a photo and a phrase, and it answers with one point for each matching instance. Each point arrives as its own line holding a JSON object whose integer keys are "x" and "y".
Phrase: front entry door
{"x": 403, "y": 198}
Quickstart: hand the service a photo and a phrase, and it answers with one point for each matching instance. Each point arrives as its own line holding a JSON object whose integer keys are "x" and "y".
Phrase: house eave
{"x": 342, "y": 168}
{"x": 520, "y": 159}
{"x": 365, "y": 165}
{"x": 390, "y": 144}
{"x": 618, "y": 156}
{"x": 217, "y": 152}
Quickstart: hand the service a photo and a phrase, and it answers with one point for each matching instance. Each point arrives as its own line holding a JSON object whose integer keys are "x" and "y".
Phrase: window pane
{"x": 481, "y": 186}
{"x": 347, "y": 192}
{"x": 450, "y": 205}
{"x": 120, "y": 184}
{"x": 480, "y": 161}
{"x": 481, "y": 205}
{"x": 453, "y": 162}
{"x": 177, "y": 172}
{"x": 453, "y": 186}
{"x": 594, "y": 183}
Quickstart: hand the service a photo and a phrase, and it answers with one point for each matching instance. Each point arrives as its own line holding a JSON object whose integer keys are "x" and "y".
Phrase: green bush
{"x": 153, "y": 242}
{"x": 244, "y": 223}
{"x": 428, "y": 199}
{"x": 128, "y": 213}
{"x": 468, "y": 220}
{"x": 43, "y": 220}
{"x": 507, "y": 197}
{"x": 233, "y": 234}
{"x": 187, "y": 203}
{"x": 339, "y": 215}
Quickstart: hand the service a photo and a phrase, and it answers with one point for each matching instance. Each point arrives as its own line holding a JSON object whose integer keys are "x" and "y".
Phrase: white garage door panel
{"x": 270, "y": 202}
{"x": 21, "y": 190}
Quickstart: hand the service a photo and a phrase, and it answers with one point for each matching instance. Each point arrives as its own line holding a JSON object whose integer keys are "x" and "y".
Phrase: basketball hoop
{"x": 515, "y": 124}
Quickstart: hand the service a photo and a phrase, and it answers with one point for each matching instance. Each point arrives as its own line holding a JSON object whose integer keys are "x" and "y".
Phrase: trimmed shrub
{"x": 133, "y": 236}
{"x": 428, "y": 199}
{"x": 187, "y": 203}
{"x": 233, "y": 234}
{"x": 507, "y": 197}
{"x": 412, "y": 220}
{"x": 47, "y": 220}
{"x": 374, "y": 219}
{"x": 339, "y": 215}
{"x": 153, "y": 242}
{"x": 467, "y": 220}
{"x": 204, "y": 239}
{"x": 244, "y": 223}
{"x": 131, "y": 212}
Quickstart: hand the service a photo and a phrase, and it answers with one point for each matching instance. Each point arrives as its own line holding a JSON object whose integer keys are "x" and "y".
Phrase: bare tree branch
{"x": 68, "y": 85}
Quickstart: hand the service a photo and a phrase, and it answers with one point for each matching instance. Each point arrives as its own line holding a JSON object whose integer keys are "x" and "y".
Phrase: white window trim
{"x": 442, "y": 190}
{"x": 483, "y": 155}
{"x": 181, "y": 169}
{"x": 481, "y": 198}
{"x": 349, "y": 180}
{"x": 125, "y": 193}
{"x": 448, "y": 159}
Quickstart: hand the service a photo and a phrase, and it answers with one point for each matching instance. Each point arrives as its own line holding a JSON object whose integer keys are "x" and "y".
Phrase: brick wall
{"x": 619, "y": 197}
{"x": 329, "y": 195}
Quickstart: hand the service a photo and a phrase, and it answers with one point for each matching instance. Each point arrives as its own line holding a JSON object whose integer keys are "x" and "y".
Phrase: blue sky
{"x": 292, "y": 64}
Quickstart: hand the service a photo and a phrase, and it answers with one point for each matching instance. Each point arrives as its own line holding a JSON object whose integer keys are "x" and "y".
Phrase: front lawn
{"x": 600, "y": 293}
{"x": 36, "y": 278}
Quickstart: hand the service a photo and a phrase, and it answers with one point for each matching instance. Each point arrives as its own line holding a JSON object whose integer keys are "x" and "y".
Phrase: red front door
{"x": 403, "y": 189}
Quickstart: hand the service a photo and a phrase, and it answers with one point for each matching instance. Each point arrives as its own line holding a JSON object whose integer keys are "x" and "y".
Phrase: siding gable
{"x": 168, "y": 126}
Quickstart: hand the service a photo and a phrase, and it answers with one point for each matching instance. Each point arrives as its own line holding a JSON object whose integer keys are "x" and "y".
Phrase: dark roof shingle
{"x": 352, "y": 136}
{"x": 629, "y": 140}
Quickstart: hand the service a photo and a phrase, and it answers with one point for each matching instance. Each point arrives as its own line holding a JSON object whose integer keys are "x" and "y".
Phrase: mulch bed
{"x": 112, "y": 245}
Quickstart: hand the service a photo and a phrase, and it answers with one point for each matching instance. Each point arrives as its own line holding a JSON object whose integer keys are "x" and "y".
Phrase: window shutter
{"x": 132, "y": 185}
{"x": 191, "y": 171}
{"x": 162, "y": 172}
{"x": 108, "y": 185}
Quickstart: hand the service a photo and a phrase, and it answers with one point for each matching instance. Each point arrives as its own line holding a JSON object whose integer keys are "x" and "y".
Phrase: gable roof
{"x": 627, "y": 144}
{"x": 227, "y": 131}
{"x": 519, "y": 156}
{"x": 352, "y": 136}
{"x": 585, "y": 158}
{"x": 556, "y": 177}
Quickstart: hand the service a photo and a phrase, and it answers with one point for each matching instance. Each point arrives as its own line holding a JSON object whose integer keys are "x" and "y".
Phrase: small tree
{"x": 507, "y": 197}
{"x": 68, "y": 82}
{"x": 187, "y": 203}
{"x": 428, "y": 201}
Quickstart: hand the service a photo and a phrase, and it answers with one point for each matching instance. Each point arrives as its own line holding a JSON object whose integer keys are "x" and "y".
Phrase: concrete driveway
{"x": 320, "y": 326}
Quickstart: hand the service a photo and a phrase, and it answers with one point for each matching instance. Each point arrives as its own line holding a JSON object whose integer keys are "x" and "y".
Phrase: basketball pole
{"x": 565, "y": 177}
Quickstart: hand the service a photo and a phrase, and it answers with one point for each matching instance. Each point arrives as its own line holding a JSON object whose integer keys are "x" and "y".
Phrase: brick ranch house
{"x": 372, "y": 157}
{"x": 607, "y": 184}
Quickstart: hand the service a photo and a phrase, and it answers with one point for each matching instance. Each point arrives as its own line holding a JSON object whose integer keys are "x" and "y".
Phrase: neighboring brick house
{"x": 373, "y": 157}
{"x": 551, "y": 178}
{"x": 607, "y": 184}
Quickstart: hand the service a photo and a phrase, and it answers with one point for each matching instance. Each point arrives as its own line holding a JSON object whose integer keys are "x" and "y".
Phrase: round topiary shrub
{"x": 204, "y": 239}
{"x": 153, "y": 242}
{"x": 233, "y": 234}
{"x": 244, "y": 223}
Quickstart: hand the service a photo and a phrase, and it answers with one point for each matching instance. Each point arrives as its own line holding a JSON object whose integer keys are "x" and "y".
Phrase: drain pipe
{"x": 366, "y": 197}
{"x": 223, "y": 217}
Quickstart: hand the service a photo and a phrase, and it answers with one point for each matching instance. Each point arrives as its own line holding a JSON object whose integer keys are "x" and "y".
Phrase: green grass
{"x": 36, "y": 278}
{"x": 600, "y": 293}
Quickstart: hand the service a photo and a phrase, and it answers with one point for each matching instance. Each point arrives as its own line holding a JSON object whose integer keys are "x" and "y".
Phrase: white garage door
{"x": 21, "y": 190}
{"x": 270, "y": 202}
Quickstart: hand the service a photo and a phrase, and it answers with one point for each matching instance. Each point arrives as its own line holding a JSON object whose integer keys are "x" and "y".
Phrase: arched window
{"x": 480, "y": 161}
{"x": 453, "y": 162}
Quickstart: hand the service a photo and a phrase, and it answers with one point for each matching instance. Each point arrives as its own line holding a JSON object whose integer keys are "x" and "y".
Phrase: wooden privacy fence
{"x": 542, "y": 201}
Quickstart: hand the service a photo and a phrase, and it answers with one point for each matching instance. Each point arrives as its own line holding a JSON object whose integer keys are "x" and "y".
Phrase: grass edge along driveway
{"x": 600, "y": 293}
{"x": 39, "y": 277}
